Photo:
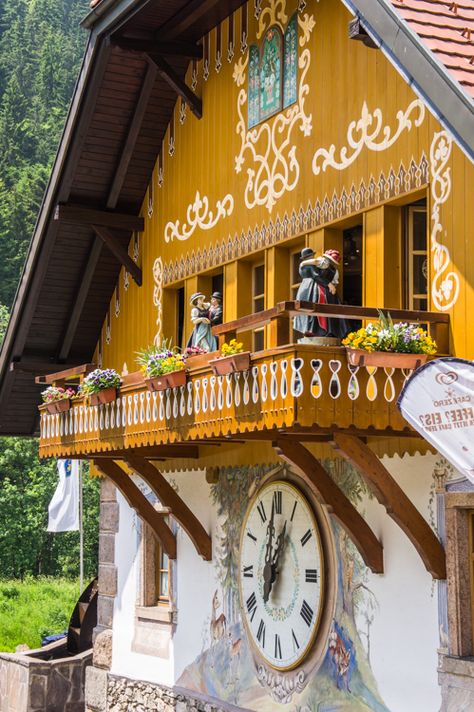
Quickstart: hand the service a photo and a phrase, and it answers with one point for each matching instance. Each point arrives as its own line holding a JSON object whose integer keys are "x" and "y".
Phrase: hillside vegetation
{"x": 41, "y": 48}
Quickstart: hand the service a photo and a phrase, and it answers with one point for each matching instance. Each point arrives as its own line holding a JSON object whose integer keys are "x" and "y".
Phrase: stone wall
{"x": 110, "y": 693}
{"x": 109, "y": 523}
{"x": 456, "y": 679}
{"x": 29, "y": 683}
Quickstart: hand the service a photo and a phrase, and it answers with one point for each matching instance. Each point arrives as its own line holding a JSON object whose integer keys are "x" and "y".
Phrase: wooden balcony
{"x": 295, "y": 388}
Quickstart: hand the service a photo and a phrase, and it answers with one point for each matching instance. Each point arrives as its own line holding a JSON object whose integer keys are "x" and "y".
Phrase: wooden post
{"x": 277, "y": 289}
{"x": 382, "y": 270}
{"x": 238, "y": 296}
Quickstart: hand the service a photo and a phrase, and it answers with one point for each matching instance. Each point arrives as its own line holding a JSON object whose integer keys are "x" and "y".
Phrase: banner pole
{"x": 81, "y": 533}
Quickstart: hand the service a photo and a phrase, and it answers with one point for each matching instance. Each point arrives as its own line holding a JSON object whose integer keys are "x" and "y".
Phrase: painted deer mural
{"x": 218, "y": 623}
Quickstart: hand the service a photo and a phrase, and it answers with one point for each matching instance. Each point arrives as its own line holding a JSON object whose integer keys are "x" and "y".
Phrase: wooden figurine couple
{"x": 204, "y": 316}
{"x": 320, "y": 277}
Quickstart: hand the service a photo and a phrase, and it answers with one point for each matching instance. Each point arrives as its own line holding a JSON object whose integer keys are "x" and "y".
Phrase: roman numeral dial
{"x": 281, "y": 575}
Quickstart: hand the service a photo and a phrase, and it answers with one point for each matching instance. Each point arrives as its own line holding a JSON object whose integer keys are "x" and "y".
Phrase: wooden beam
{"x": 80, "y": 297}
{"x": 66, "y": 373}
{"x": 186, "y": 17}
{"x": 398, "y": 505}
{"x": 114, "y": 245}
{"x": 133, "y": 131}
{"x": 147, "y": 46}
{"x": 137, "y": 501}
{"x": 179, "y": 86}
{"x": 152, "y": 452}
{"x": 170, "y": 498}
{"x": 343, "y": 510}
{"x": 83, "y": 215}
{"x": 35, "y": 367}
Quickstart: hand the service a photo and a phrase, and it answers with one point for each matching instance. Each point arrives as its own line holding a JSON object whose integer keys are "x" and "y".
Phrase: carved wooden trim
{"x": 398, "y": 505}
{"x": 336, "y": 501}
{"x": 140, "y": 504}
{"x": 170, "y": 498}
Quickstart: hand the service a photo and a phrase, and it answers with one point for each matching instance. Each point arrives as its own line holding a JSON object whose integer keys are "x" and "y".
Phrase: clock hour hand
{"x": 268, "y": 569}
{"x": 278, "y": 549}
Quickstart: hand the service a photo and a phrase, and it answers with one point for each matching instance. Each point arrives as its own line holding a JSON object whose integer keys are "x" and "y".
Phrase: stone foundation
{"x": 32, "y": 683}
{"x": 456, "y": 679}
{"x": 109, "y": 693}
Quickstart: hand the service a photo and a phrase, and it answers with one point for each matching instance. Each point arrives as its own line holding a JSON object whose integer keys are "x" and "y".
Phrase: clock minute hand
{"x": 268, "y": 568}
{"x": 279, "y": 547}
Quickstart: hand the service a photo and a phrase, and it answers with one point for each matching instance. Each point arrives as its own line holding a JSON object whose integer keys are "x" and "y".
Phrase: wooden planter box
{"x": 384, "y": 359}
{"x": 230, "y": 364}
{"x": 59, "y": 406}
{"x": 107, "y": 395}
{"x": 168, "y": 380}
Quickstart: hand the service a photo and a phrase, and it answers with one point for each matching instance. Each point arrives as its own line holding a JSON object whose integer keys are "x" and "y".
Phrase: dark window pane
{"x": 420, "y": 304}
{"x": 419, "y": 230}
{"x": 420, "y": 267}
{"x": 295, "y": 264}
{"x": 259, "y": 304}
{"x": 258, "y": 340}
{"x": 259, "y": 280}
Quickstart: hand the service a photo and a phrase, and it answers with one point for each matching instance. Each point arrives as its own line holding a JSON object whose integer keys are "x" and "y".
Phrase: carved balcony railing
{"x": 296, "y": 387}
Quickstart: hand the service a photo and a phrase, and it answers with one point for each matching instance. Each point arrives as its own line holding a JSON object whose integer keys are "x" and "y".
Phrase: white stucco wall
{"x": 403, "y": 635}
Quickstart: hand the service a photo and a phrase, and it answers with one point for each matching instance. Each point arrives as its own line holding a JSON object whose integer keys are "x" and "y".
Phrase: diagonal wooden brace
{"x": 140, "y": 504}
{"x": 170, "y": 498}
{"x": 296, "y": 455}
{"x": 398, "y": 505}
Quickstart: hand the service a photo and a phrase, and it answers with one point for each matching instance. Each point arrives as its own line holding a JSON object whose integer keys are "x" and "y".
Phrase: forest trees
{"x": 41, "y": 46}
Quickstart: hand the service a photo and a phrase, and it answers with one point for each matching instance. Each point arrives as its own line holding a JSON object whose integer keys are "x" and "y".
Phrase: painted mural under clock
{"x": 243, "y": 190}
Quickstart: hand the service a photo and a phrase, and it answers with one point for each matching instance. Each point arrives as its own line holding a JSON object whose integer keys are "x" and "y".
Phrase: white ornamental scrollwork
{"x": 158, "y": 298}
{"x": 369, "y": 132}
{"x": 199, "y": 215}
{"x": 282, "y": 687}
{"x": 445, "y": 285}
{"x": 276, "y": 14}
{"x": 269, "y": 145}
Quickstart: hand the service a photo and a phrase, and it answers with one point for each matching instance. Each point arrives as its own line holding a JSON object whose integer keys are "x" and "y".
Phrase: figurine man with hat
{"x": 201, "y": 335}
{"x": 319, "y": 277}
{"x": 215, "y": 310}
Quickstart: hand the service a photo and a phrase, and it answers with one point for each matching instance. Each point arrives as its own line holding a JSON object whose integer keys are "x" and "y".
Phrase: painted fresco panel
{"x": 254, "y": 86}
{"x": 271, "y": 74}
{"x": 290, "y": 70}
{"x": 384, "y": 628}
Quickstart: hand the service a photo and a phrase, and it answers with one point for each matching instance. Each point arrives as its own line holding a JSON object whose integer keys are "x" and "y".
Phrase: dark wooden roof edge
{"x": 429, "y": 78}
{"x": 109, "y": 12}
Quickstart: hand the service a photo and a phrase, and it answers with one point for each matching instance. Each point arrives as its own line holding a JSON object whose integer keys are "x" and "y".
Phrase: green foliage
{"x": 33, "y": 609}
{"x": 26, "y": 488}
{"x": 41, "y": 45}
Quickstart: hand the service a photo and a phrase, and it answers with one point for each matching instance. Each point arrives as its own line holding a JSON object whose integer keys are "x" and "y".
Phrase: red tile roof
{"x": 447, "y": 29}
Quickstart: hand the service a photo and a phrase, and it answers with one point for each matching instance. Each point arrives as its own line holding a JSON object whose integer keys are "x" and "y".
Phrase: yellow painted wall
{"x": 387, "y": 152}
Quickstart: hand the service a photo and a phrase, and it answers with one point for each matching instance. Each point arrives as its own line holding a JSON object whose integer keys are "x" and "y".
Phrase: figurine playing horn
{"x": 320, "y": 277}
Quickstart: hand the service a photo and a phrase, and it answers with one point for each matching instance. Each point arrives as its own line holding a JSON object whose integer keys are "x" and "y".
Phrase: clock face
{"x": 281, "y": 574}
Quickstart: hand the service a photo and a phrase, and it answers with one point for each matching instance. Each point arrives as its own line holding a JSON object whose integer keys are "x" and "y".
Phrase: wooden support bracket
{"x": 109, "y": 239}
{"x": 170, "y": 498}
{"x": 336, "y": 501}
{"x": 398, "y": 505}
{"x": 179, "y": 86}
{"x": 144, "y": 46}
{"x": 140, "y": 504}
{"x": 83, "y": 215}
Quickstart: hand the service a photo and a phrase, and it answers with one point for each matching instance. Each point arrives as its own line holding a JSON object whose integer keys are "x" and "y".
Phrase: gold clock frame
{"x": 313, "y": 654}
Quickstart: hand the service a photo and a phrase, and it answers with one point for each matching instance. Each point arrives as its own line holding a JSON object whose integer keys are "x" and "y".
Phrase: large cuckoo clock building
{"x": 274, "y": 536}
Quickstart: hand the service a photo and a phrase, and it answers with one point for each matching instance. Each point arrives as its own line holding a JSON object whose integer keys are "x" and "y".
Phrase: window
{"x": 352, "y": 261}
{"x": 162, "y": 575}
{"x": 416, "y": 258}
{"x": 273, "y": 73}
{"x": 295, "y": 279}
{"x": 258, "y": 303}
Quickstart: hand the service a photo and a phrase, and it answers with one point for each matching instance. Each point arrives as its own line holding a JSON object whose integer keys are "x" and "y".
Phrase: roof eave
{"x": 444, "y": 96}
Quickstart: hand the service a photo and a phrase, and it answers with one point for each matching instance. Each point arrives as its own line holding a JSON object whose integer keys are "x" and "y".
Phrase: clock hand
{"x": 267, "y": 569}
{"x": 278, "y": 549}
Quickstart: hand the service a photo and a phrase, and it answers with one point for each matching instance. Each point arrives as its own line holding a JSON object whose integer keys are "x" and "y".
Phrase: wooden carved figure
{"x": 201, "y": 335}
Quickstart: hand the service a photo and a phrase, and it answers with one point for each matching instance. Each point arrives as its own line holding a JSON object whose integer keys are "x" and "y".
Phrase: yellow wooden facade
{"x": 356, "y": 148}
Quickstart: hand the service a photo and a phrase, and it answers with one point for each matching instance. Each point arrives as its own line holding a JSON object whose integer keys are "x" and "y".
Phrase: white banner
{"x": 438, "y": 401}
{"x": 64, "y": 507}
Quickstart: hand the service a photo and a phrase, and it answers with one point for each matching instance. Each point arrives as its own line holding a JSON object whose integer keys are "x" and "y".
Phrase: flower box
{"x": 230, "y": 364}
{"x": 384, "y": 359}
{"x": 59, "y": 406}
{"x": 167, "y": 380}
{"x": 106, "y": 395}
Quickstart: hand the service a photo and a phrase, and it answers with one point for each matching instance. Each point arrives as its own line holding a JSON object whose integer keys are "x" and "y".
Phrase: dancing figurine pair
{"x": 205, "y": 315}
